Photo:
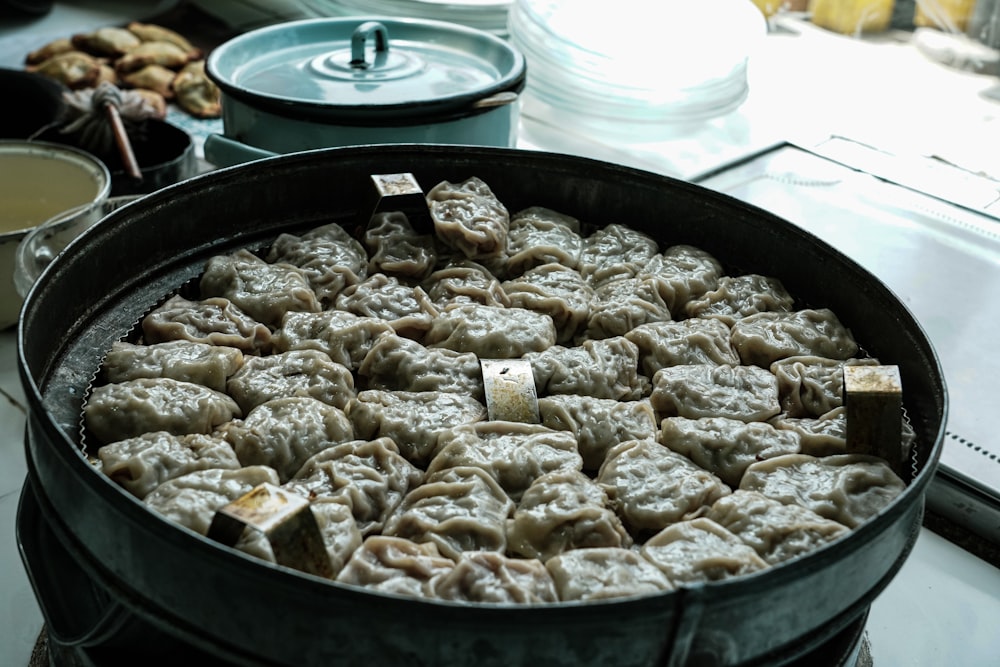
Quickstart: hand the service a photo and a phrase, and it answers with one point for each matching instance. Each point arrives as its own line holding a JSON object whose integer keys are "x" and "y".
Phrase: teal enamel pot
{"x": 322, "y": 83}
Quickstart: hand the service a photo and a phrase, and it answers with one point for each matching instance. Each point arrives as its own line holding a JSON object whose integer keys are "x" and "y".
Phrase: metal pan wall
{"x": 257, "y": 613}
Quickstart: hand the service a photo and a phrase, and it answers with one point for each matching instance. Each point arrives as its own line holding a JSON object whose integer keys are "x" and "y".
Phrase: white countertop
{"x": 944, "y": 605}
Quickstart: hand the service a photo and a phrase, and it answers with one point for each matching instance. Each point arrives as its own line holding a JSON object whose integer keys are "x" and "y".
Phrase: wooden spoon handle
{"x": 122, "y": 140}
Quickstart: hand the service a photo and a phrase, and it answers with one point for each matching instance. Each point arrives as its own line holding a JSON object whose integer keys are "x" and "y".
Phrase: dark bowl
{"x": 25, "y": 8}
{"x": 165, "y": 154}
{"x": 32, "y": 101}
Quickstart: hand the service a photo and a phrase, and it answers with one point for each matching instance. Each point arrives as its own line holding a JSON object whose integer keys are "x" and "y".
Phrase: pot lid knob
{"x": 362, "y": 62}
{"x": 359, "y": 39}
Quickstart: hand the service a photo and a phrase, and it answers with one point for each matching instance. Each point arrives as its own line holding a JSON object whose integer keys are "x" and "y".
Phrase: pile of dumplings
{"x": 691, "y": 423}
{"x": 154, "y": 61}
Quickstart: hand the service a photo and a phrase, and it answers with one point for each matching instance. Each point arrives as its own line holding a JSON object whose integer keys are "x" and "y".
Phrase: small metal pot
{"x": 324, "y": 83}
{"x": 41, "y": 180}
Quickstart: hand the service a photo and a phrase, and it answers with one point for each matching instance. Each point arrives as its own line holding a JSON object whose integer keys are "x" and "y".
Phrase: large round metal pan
{"x": 255, "y": 613}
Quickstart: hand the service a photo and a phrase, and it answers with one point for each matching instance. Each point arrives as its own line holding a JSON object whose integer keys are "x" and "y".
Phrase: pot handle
{"x": 360, "y": 37}
{"x": 496, "y": 100}
{"x": 225, "y": 152}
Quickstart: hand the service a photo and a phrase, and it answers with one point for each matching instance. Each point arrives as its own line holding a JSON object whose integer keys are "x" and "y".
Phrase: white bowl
{"x": 41, "y": 180}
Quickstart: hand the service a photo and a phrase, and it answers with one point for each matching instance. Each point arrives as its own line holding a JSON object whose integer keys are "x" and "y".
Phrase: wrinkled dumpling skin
{"x": 285, "y": 432}
{"x": 142, "y": 463}
{"x": 408, "y": 309}
{"x": 400, "y": 364}
{"x": 651, "y": 486}
{"x": 490, "y": 332}
{"x": 538, "y": 236}
{"x": 599, "y": 368}
{"x": 193, "y": 499}
{"x": 827, "y": 434}
{"x": 340, "y": 533}
{"x": 764, "y": 338}
{"x": 129, "y": 409}
{"x": 602, "y": 573}
{"x": 468, "y": 217}
{"x": 700, "y": 550}
{"x": 614, "y": 252}
{"x": 687, "y": 342}
{"x": 684, "y": 273}
{"x": 328, "y": 257}
{"x": 561, "y": 511}
{"x": 465, "y": 281}
{"x": 847, "y": 488}
{"x": 187, "y": 361}
{"x": 776, "y": 531}
{"x": 457, "y": 509}
{"x": 746, "y": 393}
{"x": 294, "y": 373}
{"x": 598, "y": 423}
{"x": 737, "y": 297}
{"x": 413, "y": 420}
{"x": 264, "y": 291}
{"x": 558, "y": 291}
{"x": 214, "y": 321}
{"x": 620, "y": 305}
{"x": 345, "y": 337}
{"x": 818, "y": 436}
{"x": 812, "y": 386}
{"x": 395, "y": 565}
{"x": 514, "y": 454}
{"x": 726, "y": 446}
{"x": 370, "y": 477}
{"x": 486, "y": 576}
{"x": 396, "y": 249}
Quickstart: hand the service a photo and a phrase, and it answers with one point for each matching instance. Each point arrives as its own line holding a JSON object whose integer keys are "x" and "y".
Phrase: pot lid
{"x": 378, "y": 64}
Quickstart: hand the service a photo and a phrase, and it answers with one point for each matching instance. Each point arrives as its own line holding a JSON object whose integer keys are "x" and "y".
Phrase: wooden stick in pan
{"x": 285, "y": 518}
{"x": 874, "y": 401}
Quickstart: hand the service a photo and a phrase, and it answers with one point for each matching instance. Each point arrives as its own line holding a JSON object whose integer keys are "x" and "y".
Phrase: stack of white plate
{"x": 487, "y": 15}
{"x": 634, "y": 65}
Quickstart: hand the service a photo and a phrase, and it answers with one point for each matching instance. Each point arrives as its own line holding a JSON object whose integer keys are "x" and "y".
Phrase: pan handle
{"x": 77, "y": 613}
{"x": 225, "y": 152}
